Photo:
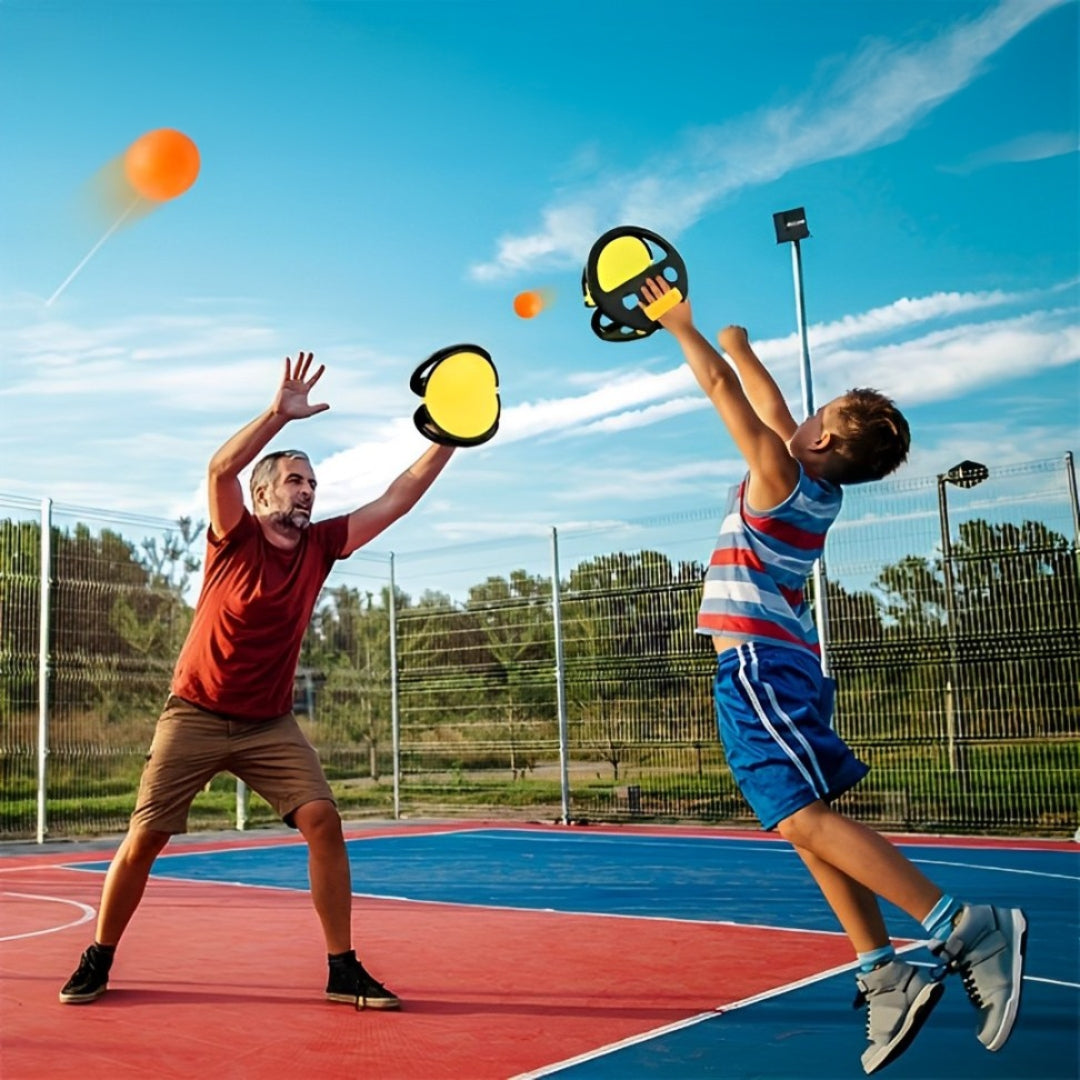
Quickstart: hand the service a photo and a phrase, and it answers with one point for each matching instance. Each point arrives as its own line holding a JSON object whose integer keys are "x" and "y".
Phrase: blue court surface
{"x": 805, "y": 1030}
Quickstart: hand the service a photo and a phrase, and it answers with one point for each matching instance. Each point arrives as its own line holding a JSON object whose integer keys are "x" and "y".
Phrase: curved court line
{"x": 1000, "y": 869}
{"x": 87, "y": 914}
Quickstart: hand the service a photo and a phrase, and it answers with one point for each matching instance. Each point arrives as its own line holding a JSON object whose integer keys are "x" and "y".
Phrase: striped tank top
{"x": 759, "y": 566}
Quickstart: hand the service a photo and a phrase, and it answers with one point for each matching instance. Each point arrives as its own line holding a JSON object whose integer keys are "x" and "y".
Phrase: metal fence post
{"x": 1070, "y": 479}
{"x": 241, "y": 805}
{"x": 395, "y": 718}
{"x": 44, "y": 666}
{"x": 791, "y": 227}
{"x": 560, "y": 679}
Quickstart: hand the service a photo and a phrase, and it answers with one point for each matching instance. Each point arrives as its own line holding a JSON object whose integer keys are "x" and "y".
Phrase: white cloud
{"x": 532, "y": 419}
{"x": 873, "y": 100}
{"x": 952, "y": 363}
{"x": 920, "y": 349}
{"x": 190, "y": 363}
{"x": 1001, "y": 442}
{"x": 939, "y": 365}
{"x": 687, "y": 479}
{"x": 942, "y": 364}
{"x": 651, "y": 414}
{"x": 1037, "y": 146}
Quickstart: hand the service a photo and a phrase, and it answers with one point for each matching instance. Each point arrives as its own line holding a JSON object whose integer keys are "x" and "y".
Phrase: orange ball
{"x": 528, "y": 303}
{"x": 162, "y": 164}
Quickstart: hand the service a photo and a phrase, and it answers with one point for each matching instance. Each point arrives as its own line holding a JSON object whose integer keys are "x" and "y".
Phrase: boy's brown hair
{"x": 874, "y": 436}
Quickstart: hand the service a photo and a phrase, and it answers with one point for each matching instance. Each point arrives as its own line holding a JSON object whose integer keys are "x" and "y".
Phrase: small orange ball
{"x": 162, "y": 164}
{"x": 528, "y": 303}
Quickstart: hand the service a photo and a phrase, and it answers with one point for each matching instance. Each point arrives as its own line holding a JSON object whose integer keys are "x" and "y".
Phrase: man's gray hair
{"x": 263, "y": 473}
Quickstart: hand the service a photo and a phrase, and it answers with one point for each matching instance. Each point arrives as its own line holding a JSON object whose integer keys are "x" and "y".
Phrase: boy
{"x": 774, "y": 704}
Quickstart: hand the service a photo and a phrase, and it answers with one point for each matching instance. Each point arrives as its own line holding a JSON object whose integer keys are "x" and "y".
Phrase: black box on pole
{"x": 790, "y": 225}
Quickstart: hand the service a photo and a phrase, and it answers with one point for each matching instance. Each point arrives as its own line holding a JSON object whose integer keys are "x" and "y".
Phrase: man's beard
{"x": 297, "y": 519}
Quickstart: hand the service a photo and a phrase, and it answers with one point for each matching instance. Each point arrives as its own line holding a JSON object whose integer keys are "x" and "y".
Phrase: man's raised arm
{"x": 225, "y": 496}
{"x": 399, "y": 498}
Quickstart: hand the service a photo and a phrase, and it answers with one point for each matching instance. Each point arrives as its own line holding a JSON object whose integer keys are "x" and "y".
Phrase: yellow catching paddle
{"x": 460, "y": 388}
{"x": 618, "y": 265}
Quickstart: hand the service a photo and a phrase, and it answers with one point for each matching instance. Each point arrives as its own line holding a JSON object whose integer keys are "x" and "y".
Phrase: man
{"x": 230, "y": 706}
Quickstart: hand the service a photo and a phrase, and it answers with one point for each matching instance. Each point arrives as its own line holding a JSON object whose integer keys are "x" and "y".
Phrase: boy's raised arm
{"x": 761, "y": 389}
{"x": 773, "y": 471}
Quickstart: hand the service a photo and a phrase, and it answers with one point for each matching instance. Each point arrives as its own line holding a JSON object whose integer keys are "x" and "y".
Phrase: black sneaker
{"x": 91, "y": 978}
{"x": 350, "y": 983}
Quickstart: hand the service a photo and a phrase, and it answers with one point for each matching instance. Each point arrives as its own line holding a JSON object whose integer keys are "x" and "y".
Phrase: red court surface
{"x": 227, "y": 981}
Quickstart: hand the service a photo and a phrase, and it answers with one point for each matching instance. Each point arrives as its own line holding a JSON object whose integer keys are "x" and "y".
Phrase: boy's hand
{"x": 734, "y": 339}
{"x": 678, "y": 318}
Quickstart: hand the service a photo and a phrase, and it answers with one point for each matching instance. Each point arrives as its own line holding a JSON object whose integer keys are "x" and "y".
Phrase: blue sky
{"x": 380, "y": 179}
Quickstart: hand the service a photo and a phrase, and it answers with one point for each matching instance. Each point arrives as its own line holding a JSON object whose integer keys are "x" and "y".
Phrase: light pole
{"x": 790, "y": 228}
{"x": 965, "y": 475}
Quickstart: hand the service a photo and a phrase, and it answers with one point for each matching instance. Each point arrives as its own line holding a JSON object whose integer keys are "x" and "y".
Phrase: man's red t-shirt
{"x": 240, "y": 655}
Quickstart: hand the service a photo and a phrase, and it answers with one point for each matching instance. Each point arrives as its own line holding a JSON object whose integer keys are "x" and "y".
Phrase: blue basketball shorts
{"x": 774, "y": 713}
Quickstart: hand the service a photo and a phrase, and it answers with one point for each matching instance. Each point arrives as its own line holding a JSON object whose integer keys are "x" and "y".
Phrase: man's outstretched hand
{"x": 291, "y": 400}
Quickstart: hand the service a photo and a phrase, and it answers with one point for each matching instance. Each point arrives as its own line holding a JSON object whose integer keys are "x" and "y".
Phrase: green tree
{"x": 346, "y": 658}
{"x": 627, "y": 624}
{"x": 514, "y": 623}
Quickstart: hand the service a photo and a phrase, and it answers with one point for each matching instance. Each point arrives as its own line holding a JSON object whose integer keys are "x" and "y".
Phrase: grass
{"x": 1007, "y": 787}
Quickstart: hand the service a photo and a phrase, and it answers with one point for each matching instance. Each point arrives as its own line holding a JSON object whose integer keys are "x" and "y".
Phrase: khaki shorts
{"x": 191, "y": 746}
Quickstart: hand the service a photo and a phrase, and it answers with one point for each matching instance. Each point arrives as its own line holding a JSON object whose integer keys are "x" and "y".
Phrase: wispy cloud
{"x": 920, "y": 349}
{"x": 195, "y": 363}
{"x": 951, "y": 363}
{"x": 687, "y": 479}
{"x": 939, "y": 364}
{"x": 872, "y": 100}
{"x": 1034, "y": 147}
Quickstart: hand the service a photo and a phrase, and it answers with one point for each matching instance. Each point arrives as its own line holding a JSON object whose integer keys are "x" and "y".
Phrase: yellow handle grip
{"x": 661, "y": 307}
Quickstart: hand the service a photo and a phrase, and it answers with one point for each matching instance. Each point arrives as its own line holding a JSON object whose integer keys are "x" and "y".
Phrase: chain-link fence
{"x": 558, "y": 675}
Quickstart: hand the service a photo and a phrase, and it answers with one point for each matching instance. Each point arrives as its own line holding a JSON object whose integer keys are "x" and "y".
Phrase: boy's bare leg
{"x": 863, "y": 855}
{"x": 853, "y": 904}
{"x": 898, "y": 996}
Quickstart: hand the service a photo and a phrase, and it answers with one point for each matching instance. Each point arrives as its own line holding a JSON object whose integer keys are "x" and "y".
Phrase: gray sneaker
{"x": 899, "y": 998}
{"x": 987, "y": 947}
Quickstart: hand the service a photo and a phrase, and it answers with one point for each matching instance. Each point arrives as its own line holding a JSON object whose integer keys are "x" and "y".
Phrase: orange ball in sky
{"x": 528, "y": 303}
{"x": 162, "y": 164}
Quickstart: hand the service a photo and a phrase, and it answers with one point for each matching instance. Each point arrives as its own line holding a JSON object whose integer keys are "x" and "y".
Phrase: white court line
{"x": 655, "y": 1033}
{"x": 30, "y": 869}
{"x": 645, "y": 1036}
{"x": 611, "y": 1048}
{"x": 776, "y": 847}
{"x": 500, "y": 907}
{"x": 1052, "y": 982}
{"x": 87, "y": 914}
{"x": 905, "y": 841}
{"x": 1000, "y": 869}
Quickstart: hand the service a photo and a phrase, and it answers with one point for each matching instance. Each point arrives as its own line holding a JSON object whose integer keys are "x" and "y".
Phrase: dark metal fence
{"x": 460, "y": 681}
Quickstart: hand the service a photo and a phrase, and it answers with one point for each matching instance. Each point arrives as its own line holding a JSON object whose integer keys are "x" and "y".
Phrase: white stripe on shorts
{"x": 820, "y": 787}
